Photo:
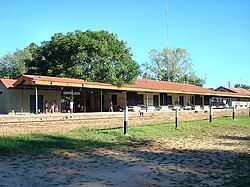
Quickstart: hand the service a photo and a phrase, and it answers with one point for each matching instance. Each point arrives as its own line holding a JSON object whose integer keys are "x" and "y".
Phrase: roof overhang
{"x": 76, "y": 83}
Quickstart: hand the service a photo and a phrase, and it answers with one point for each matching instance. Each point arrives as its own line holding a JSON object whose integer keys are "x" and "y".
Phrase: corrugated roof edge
{"x": 8, "y": 83}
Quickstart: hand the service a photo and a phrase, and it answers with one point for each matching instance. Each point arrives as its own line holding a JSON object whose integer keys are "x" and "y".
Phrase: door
{"x": 156, "y": 100}
{"x": 114, "y": 99}
{"x": 33, "y": 103}
{"x": 198, "y": 100}
{"x": 181, "y": 100}
{"x": 131, "y": 98}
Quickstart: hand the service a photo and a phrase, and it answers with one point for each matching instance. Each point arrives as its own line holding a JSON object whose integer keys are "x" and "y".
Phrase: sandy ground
{"x": 168, "y": 162}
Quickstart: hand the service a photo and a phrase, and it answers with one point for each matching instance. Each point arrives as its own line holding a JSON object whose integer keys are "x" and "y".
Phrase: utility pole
{"x": 167, "y": 24}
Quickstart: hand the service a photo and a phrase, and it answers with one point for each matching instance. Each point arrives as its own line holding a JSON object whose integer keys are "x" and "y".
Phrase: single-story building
{"x": 241, "y": 102}
{"x": 28, "y": 94}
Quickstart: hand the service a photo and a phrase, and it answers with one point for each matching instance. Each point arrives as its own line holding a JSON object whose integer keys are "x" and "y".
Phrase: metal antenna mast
{"x": 167, "y": 46}
{"x": 167, "y": 24}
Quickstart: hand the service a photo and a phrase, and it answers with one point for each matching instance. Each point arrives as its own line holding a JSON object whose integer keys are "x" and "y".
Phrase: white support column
{"x": 101, "y": 101}
{"x": 146, "y": 102}
{"x": 22, "y": 110}
{"x": 71, "y": 104}
{"x": 36, "y": 99}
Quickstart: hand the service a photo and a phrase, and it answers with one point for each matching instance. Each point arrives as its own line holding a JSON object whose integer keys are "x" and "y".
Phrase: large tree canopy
{"x": 12, "y": 65}
{"x": 171, "y": 65}
{"x": 91, "y": 55}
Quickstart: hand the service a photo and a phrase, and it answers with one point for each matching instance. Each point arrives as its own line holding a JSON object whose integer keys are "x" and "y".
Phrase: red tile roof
{"x": 168, "y": 86}
{"x": 8, "y": 83}
{"x": 240, "y": 91}
{"x": 58, "y": 79}
{"x": 140, "y": 85}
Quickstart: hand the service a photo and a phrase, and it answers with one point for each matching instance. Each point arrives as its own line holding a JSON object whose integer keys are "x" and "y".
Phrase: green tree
{"x": 12, "y": 65}
{"x": 171, "y": 65}
{"x": 242, "y": 86}
{"x": 91, "y": 55}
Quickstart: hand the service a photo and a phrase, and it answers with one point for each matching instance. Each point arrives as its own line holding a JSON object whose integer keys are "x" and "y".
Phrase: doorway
{"x": 156, "y": 100}
{"x": 33, "y": 103}
{"x": 181, "y": 100}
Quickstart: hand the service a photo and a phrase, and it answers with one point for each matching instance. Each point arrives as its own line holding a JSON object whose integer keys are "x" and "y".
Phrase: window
{"x": 1, "y": 92}
{"x": 140, "y": 99}
{"x": 165, "y": 99}
{"x": 206, "y": 100}
{"x": 169, "y": 100}
{"x": 198, "y": 100}
{"x": 114, "y": 99}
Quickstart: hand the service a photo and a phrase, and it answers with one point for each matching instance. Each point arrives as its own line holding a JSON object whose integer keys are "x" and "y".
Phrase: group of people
{"x": 50, "y": 109}
{"x": 111, "y": 109}
{"x": 68, "y": 107}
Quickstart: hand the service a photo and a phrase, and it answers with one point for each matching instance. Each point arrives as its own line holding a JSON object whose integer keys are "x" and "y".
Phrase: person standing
{"x": 52, "y": 109}
{"x": 111, "y": 106}
{"x": 46, "y": 106}
{"x": 71, "y": 106}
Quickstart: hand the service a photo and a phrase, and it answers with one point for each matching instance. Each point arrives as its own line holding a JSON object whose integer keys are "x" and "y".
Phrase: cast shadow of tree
{"x": 247, "y": 138}
{"x": 44, "y": 144}
{"x": 200, "y": 166}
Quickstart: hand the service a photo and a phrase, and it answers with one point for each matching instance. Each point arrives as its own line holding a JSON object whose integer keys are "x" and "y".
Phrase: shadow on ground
{"x": 40, "y": 144}
{"x": 118, "y": 165}
{"x": 236, "y": 138}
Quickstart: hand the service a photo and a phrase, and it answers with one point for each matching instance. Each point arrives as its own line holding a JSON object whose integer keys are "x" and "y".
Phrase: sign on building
{"x": 70, "y": 93}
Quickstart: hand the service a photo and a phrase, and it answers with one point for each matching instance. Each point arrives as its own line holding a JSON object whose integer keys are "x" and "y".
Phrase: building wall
{"x": 147, "y": 97}
{"x": 4, "y": 100}
{"x": 20, "y": 99}
{"x": 175, "y": 99}
{"x": 241, "y": 104}
{"x": 121, "y": 100}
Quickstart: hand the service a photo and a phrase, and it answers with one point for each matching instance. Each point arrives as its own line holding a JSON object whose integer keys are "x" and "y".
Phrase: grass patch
{"x": 85, "y": 139}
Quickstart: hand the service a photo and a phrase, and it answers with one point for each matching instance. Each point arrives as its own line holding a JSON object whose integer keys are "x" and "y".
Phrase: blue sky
{"x": 215, "y": 32}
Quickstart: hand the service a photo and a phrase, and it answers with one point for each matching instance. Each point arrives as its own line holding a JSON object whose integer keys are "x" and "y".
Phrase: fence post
{"x": 210, "y": 114}
{"x": 176, "y": 117}
{"x": 126, "y": 121}
{"x": 234, "y": 110}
